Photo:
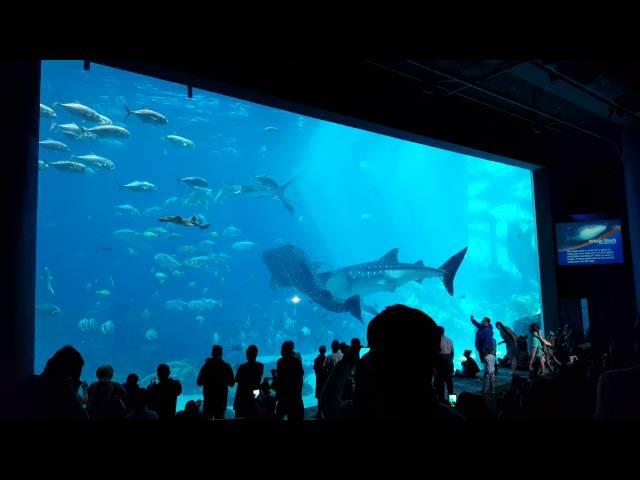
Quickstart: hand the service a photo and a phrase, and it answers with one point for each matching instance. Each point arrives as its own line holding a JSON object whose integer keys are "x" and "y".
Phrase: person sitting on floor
{"x": 470, "y": 368}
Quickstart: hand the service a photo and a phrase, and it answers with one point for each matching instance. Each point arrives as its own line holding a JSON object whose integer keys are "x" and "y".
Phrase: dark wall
{"x": 609, "y": 289}
{"x": 21, "y": 83}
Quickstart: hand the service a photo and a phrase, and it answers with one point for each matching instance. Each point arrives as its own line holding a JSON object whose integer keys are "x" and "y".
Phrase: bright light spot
{"x": 295, "y": 299}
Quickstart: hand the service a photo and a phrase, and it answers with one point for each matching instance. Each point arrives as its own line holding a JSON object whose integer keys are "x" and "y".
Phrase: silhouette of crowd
{"x": 405, "y": 348}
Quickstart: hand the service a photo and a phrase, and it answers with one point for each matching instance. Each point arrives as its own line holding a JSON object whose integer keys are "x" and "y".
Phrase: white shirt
{"x": 490, "y": 363}
{"x": 333, "y": 359}
{"x": 446, "y": 346}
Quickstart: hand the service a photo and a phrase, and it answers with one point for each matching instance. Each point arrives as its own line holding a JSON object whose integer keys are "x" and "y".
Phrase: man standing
{"x": 215, "y": 377}
{"x": 444, "y": 366}
{"x": 318, "y": 368}
{"x": 484, "y": 336}
{"x": 163, "y": 394}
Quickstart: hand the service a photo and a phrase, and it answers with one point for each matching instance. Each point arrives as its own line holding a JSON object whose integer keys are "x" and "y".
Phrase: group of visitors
{"x": 348, "y": 385}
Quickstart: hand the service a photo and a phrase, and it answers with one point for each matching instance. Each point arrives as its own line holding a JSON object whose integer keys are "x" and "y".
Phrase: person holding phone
{"x": 248, "y": 378}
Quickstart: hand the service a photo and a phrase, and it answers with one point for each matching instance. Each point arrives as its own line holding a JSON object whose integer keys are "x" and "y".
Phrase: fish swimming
{"x": 139, "y": 186}
{"x": 266, "y": 187}
{"x": 46, "y": 112}
{"x": 387, "y": 274}
{"x": 290, "y": 267}
{"x": 180, "y": 141}
{"x": 95, "y": 161}
{"x": 194, "y": 181}
{"x": 70, "y": 129}
{"x": 167, "y": 261}
{"x": 79, "y": 110}
{"x": 68, "y": 166}
{"x": 55, "y": 145}
{"x": 42, "y": 165}
{"x": 106, "y": 131}
{"x": 49, "y": 278}
{"x": 128, "y": 209}
{"x": 194, "y": 221}
{"x": 147, "y": 116}
{"x": 48, "y": 310}
{"x": 244, "y": 245}
{"x": 231, "y": 231}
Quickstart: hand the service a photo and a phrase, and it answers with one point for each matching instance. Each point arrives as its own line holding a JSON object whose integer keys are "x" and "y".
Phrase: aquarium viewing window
{"x": 167, "y": 224}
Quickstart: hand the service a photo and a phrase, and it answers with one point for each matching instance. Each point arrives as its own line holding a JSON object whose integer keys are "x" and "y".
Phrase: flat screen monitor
{"x": 589, "y": 242}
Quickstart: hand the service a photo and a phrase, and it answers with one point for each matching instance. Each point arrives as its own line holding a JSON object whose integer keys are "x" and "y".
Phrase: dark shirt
{"x": 163, "y": 397}
{"x": 52, "y": 398}
{"x": 377, "y": 398}
{"x": 318, "y": 368}
{"x": 470, "y": 368}
{"x": 248, "y": 378}
{"x": 131, "y": 390}
{"x": 215, "y": 378}
{"x": 290, "y": 376}
{"x": 107, "y": 400}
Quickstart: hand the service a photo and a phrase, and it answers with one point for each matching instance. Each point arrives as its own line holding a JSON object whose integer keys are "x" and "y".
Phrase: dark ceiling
{"x": 585, "y": 102}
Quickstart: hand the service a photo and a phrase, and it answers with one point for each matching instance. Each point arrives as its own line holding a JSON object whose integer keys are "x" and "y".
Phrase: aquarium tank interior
{"x": 167, "y": 224}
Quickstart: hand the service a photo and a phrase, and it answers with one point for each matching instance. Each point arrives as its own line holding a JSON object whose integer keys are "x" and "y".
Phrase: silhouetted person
{"x": 333, "y": 358}
{"x": 107, "y": 399}
{"x": 289, "y": 384}
{"x": 350, "y": 386}
{"x": 131, "y": 387}
{"x": 510, "y": 339}
{"x": 191, "y": 412}
{"x": 139, "y": 409}
{"x": 215, "y": 378}
{"x": 163, "y": 394}
{"x": 470, "y": 368}
{"x": 318, "y": 368}
{"x": 131, "y": 384}
{"x": 473, "y": 407}
{"x": 248, "y": 378}
{"x": 444, "y": 366}
{"x": 618, "y": 395}
{"x": 393, "y": 379}
{"x": 53, "y": 395}
{"x": 537, "y": 361}
{"x": 484, "y": 336}
{"x": 266, "y": 402}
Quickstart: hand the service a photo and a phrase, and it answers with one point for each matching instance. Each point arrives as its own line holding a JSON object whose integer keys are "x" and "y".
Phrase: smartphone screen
{"x": 256, "y": 393}
{"x": 452, "y": 399}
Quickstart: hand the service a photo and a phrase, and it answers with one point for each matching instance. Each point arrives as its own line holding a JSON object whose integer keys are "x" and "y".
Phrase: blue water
{"x": 357, "y": 195}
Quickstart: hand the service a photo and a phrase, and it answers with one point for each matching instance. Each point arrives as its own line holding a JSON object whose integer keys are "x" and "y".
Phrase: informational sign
{"x": 589, "y": 242}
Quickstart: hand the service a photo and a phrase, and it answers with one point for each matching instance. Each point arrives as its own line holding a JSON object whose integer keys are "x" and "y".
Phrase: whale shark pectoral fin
{"x": 390, "y": 257}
